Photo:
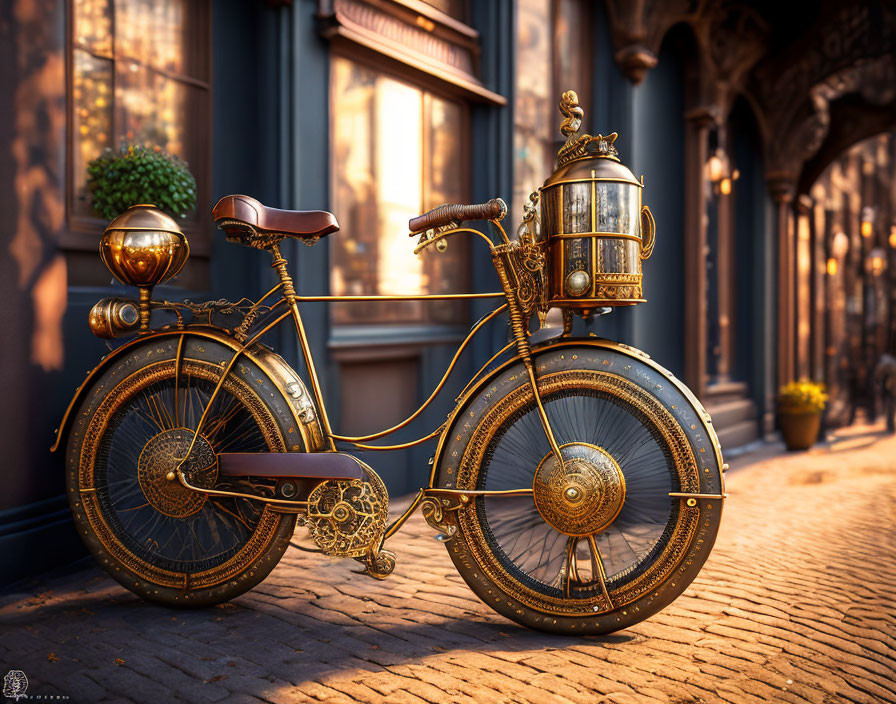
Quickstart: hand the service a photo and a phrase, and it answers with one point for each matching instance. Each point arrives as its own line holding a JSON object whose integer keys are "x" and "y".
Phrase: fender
{"x": 554, "y": 344}
{"x": 271, "y": 364}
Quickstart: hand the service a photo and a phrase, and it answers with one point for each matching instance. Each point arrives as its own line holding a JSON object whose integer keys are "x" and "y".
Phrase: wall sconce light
{"x": 719, "y": 173}
{"x": 840, "y": 245}
{"x": 832, "y": 266}
{"x": 877, "y": 261}
{"x": 867, "y": 221}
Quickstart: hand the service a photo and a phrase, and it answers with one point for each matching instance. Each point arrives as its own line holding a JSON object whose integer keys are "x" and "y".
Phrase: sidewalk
{"x": 795, "y": 604}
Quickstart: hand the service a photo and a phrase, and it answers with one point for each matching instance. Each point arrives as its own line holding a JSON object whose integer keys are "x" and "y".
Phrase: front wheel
{"x": 618, "y": 530}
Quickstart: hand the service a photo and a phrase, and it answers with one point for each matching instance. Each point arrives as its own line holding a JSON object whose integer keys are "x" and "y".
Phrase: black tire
{"x": 161, "y": 541}
{"x": 613, "y": 400}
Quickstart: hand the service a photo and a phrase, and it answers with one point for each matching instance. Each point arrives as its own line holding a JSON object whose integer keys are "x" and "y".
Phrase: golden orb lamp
{"x": 596, "y": 229}
{"x": 144, "y": 247}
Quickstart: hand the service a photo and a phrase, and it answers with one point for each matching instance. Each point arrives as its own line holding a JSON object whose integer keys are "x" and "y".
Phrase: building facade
{"x": 764, "y": 133}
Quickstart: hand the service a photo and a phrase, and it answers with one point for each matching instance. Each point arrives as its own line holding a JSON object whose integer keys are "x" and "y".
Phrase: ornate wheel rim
{"x": 684, "y": 519}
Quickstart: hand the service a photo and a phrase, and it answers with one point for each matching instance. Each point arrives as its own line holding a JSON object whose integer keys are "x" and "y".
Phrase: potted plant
{"x": 800, "y": 407}
{"x": 140, "y": 175}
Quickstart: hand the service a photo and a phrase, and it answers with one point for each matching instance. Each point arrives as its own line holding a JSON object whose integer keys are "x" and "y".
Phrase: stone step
{"x": 724, "y": 391}
{"x": 738, "y": 435}
{"x": 731, "y": 412}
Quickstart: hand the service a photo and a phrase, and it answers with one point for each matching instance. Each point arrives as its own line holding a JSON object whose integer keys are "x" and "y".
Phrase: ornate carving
{"x": 584, "y": 494}
{"x": 161, "y": 457}
{"x": 444, "y": 49}
{"x": 577, "y": 146}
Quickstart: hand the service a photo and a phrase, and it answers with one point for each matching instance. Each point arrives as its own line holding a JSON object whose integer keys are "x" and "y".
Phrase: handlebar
{"x": 495, "y": 209}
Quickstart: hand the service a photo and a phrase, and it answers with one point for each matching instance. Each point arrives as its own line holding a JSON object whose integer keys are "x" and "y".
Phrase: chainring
{"x": 347, "y": 518}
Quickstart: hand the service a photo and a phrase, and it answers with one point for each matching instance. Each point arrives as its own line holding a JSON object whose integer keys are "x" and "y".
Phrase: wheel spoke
{"x": 570, "y": 571}
{"x": 597, "y": 568}
{"x": 191, "y": 542}
{"x": 177, "y": 360}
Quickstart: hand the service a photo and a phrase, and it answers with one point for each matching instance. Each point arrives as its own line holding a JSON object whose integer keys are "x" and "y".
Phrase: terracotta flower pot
{"x": 800, "y": 429}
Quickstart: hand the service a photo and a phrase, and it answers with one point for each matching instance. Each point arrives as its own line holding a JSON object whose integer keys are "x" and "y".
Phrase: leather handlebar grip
{"x": 495, "y": 209}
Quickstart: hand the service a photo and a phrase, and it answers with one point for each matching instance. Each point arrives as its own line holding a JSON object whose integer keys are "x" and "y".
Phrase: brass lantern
{"x": 596, "y": 229}
{"x": 144, "y": 247}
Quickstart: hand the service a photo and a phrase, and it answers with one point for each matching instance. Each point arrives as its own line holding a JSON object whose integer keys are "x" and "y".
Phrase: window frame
{"x": 81, "y": 234}
{"x": 417, "y": 330}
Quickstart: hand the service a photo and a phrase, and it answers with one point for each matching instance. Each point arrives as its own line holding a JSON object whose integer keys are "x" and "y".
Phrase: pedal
{"x": 378, "y": 566}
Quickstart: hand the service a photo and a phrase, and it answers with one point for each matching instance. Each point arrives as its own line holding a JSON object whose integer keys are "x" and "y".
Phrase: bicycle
{"x": 576, "y": 484}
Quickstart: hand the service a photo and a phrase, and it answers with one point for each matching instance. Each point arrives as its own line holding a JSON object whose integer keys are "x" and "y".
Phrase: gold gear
{"x": 348, "y": 518}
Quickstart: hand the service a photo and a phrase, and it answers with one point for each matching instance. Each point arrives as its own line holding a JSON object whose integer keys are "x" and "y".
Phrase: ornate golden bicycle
{"x": 576, "y": 484}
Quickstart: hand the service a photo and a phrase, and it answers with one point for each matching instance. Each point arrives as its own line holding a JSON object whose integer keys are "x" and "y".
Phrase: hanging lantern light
{"x": 596, "y": 228}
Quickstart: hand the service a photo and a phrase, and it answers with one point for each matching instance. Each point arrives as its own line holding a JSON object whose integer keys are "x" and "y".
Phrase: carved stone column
{"x": 696, "y": 144}
{"x": 781, "y": 188}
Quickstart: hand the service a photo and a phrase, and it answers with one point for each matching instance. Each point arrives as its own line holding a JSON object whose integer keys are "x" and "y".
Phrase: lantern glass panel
{"x": 576, "y": 207}
{"x": 577, "y": 255}
{"x": 622, "y": 256}
{"x": 618, "y": 207}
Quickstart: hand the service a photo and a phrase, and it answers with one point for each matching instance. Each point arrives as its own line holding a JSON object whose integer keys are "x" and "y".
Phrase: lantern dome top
{"x": 586, "y": 157}
{"x": 592, "y": 168}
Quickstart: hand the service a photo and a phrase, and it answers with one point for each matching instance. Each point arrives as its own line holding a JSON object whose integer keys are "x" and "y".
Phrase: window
{"x": 139, "y": 74}
{"x": 553, "y": 53}
{"x": 396, "y": 152}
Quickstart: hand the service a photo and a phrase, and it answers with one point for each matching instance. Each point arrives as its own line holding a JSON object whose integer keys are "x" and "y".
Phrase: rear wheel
{"x": 602, "y": 542}
{"x": 162, "y": 541}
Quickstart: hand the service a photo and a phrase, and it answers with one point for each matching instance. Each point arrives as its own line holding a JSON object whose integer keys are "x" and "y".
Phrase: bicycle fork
{"x": 519, "y": 327}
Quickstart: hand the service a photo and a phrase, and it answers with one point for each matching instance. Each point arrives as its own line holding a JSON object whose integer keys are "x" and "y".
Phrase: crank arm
{"x": 281, "y": 505}
{"x": 453, "y": 499}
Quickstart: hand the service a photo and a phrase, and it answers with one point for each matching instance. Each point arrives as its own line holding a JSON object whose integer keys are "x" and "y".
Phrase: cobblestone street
{"x": 794, "y": 605}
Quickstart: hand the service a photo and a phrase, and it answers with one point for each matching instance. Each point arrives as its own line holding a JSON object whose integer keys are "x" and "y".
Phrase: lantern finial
{"x": 577, "y": 146}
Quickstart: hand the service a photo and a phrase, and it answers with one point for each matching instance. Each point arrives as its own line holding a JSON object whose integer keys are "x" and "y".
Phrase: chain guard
{"x": 348, "y": 518}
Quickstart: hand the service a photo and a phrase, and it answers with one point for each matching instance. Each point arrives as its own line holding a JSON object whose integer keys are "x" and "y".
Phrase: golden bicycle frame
{"x": 435, "y": 501}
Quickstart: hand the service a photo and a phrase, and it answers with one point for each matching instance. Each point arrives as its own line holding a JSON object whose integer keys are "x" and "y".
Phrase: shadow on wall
{"x": 33, "y": 287}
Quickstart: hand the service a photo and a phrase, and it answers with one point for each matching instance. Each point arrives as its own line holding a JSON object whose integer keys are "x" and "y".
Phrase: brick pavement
{"x": 794, "y": 605}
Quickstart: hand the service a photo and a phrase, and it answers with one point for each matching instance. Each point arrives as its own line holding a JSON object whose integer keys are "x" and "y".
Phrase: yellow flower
{"x": 803, "y": 396}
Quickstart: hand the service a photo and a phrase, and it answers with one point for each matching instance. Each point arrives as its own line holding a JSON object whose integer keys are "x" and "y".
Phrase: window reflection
{"x": 533, "y": 118}
{"x": 91, "y": 113}
{"x": 553, "y": 54}
{"x": 396, "y": 152}
{"x": 139, "y": 70}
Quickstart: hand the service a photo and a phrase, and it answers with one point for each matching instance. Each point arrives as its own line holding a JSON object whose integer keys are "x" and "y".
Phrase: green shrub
{"x": 138, "y": 174}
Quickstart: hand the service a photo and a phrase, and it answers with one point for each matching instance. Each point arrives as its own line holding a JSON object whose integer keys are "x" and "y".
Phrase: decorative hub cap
{"x": 159, "y": 460}
{"x": 584, "y": 495}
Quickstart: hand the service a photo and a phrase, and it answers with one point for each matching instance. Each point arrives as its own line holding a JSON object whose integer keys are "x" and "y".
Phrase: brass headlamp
{"x": 596, "y": 229}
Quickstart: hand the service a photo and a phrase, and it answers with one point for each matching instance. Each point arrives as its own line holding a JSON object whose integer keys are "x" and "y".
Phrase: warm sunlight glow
{"x": 398, "y": 181}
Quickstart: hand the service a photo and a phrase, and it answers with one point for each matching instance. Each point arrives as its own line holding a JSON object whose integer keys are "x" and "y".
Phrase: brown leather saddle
{"x": 246, "y": 221}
